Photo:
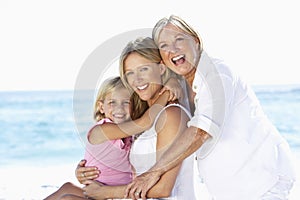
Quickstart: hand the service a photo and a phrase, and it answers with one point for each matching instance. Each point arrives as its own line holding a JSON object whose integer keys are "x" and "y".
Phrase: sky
{"x": 44, "y": 44}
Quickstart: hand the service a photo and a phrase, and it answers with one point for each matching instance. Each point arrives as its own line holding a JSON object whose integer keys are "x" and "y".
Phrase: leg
{"x": 67, "y": 188}
{"x": 71, "y": 197}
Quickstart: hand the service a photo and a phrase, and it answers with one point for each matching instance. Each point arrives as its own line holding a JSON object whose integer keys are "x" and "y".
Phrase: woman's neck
{"x": 153, "y": 99}
{"x": 189, "y": 77}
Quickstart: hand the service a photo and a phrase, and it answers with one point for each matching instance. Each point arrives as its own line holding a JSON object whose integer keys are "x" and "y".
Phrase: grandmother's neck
{"x": 189, "y": 77}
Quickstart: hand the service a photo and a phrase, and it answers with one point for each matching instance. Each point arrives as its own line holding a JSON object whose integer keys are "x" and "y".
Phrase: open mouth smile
{"x": 178, "y": 59}
{"x": 142, "y": 87}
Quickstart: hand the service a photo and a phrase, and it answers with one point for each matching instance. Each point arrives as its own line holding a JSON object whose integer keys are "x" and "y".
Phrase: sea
{"x": 46, "y": 128}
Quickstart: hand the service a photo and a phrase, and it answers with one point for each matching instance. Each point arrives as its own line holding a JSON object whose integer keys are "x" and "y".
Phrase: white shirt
{"x": 244, "y": 157}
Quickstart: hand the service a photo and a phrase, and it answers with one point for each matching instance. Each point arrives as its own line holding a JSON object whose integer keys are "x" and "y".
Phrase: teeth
{"x": 119, "y": 115}
{"x": 142, "y": 87}
{"x": 177, "y": 57}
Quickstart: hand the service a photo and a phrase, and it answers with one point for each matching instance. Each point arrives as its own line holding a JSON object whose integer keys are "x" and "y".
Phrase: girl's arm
{"x": 110, "y": 131}
{"x": 174, "y": 87}
{"x": 170, "y": 123}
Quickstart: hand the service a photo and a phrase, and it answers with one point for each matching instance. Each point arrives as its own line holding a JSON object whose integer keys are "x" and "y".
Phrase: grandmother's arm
{"x": 184, "y": 145}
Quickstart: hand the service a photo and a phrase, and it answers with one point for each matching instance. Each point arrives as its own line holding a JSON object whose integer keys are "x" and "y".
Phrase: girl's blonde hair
{"x": 108, "y": 86}
{"x": 179, "y": 23}
{"x": 147, "y": 49}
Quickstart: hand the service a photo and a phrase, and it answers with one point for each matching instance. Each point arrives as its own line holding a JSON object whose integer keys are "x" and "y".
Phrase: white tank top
{"x": 143, "y": 156}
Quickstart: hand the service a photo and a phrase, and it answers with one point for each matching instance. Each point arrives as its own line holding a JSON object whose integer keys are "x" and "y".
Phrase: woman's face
{"x": 143, "y": 76}
{"x": 179, "y": 51}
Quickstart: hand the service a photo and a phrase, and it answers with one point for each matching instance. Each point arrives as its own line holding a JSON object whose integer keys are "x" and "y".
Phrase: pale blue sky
{"x": 43, "y": 44}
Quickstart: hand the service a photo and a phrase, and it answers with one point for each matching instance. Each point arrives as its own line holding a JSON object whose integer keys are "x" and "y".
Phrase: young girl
{"x": 113, "y": 104}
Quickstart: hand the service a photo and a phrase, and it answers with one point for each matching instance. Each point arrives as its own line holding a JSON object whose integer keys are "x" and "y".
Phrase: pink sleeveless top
{"x": 111, "y": 158}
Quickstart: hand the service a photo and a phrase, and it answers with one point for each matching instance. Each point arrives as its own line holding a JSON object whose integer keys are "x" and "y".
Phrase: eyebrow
{"x": 178, "y": 34}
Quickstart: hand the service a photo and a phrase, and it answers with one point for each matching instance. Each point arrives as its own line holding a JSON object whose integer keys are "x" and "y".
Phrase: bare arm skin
{"x": 169, "y": 125}
{"x": 98, "y": 191}
{"x": 183, "y": 146}
{"x": 176, "y": 90}
{"x": 84, "y": 173}
{"x": 110, "y": 131}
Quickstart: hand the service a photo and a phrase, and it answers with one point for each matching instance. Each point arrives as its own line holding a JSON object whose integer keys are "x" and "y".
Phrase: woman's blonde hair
{"x": 108, "y": 86}
{"x": 145, "y": 47}
{"x": 179, "y": 23}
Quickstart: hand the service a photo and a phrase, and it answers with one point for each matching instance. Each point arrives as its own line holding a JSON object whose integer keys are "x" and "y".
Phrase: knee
{"x": 66, "y": 186}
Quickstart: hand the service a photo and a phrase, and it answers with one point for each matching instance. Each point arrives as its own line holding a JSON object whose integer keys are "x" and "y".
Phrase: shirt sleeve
{"x": 214, "y": 86}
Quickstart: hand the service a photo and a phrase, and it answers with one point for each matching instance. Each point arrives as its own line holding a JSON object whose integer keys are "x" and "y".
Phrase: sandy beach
{"x": 35, "y": 183}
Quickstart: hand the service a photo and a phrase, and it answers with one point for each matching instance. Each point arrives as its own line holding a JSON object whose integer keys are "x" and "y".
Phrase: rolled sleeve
{"x": 211, "y": 128}
{"x": 214, "y": 90}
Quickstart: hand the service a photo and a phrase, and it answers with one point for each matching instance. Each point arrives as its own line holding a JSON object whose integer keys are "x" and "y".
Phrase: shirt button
{"x": 195, "y": 87}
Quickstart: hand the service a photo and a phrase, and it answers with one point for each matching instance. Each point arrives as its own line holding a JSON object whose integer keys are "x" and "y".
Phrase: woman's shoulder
{"x": 175, "y": 108}
{"x": 173, "y": 113}
{"x": 170, "y": 122}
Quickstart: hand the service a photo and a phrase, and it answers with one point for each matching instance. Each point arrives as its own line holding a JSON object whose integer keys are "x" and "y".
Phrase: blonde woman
{"x": 240, "y": 154}
{"x": 141, "y": 70}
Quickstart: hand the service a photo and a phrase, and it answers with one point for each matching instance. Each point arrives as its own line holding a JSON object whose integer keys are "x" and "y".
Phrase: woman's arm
{"x": 84, "y": 173}
{"x": 98, "y": 191}
{"x": 110, "y": 131}
{"x": 169, "y": 125}
{"x": 185, "y": 144}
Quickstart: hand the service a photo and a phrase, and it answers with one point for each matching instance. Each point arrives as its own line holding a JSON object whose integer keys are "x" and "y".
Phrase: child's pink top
{"x": 111, "y": 158}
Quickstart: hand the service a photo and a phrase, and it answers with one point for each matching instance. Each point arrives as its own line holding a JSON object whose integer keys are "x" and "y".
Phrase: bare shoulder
{"x": 171, "y": 122}
{"x": 174, "y": 110}
{"x": 172, "y": 116}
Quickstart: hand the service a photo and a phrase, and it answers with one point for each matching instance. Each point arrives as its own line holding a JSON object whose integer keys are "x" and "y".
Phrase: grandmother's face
{"x": 178, "y": 50}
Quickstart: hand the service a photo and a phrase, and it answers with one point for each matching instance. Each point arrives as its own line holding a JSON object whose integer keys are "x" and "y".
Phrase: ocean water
{"x": 40, "y": 127}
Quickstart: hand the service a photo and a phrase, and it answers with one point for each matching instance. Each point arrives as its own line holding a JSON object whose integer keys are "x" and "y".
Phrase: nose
{"x": 173, "y": 48}
{"x": 138, "y": 77}
{"x": 119, "y": 106}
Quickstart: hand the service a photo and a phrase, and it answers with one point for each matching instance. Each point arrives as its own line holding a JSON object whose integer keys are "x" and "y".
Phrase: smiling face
{"x": 179, "y": 51}
{"x": 116, "y": 105}
{"x": 143, "y": 76}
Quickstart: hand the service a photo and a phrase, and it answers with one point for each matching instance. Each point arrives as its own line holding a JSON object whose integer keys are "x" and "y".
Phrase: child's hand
{"x": 176, "y": 91}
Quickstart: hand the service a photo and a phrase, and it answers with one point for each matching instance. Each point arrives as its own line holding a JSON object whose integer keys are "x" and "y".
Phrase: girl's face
{"x": 179, "y": 51}
{"x": 117, "y": 105}
{"x": 143, "y": 76}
